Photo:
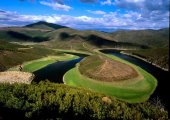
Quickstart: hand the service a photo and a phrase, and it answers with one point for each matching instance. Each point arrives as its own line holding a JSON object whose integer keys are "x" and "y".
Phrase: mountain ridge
{"x": 45, "y": 25}
{"x": 58, "y": 33}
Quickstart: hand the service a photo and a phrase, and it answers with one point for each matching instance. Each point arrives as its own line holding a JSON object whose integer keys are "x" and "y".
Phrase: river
{"x": 54, "y": 73}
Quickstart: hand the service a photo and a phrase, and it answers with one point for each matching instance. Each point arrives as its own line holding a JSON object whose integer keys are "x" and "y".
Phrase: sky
{"x": 87, "y": 14}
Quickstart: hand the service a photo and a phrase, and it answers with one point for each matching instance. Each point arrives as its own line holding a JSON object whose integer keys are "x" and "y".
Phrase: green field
{"x": 133, "y": 91}
{"x": 38, "y": 64}
{"x": 34, "y": 65}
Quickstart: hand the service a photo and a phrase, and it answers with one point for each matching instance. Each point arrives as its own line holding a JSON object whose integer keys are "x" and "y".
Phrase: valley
{"x": 71, "y": 66}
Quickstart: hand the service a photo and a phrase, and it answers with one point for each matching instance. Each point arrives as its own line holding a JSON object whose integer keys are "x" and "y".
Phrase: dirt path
{"x": 103, "y": 67}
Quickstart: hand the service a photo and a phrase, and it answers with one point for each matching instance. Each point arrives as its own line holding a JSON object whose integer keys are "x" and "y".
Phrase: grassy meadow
{"x": 133, "y": 91}
{"x": 34, "y": 65}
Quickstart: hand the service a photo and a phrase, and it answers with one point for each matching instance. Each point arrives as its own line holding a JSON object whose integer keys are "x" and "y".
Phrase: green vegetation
{"x": 73, "y": 39}
{"x": 158, "y": 56}
{"x": 55, "y": 101}
{"x": 61, "y": 37}
{"x": 34, "y": 65}
{"x": 9, "y": 46}
{"x": 23, "y": 34}
{"x": 132, "y": 90}
{"x": 91, "y": 98}
{"x": 32, "y": 32}
{"x": 12, "y": 55}
{"x": 151, "y": 38}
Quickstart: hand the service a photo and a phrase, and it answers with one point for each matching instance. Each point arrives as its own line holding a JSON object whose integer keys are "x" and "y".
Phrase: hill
{"x": 9, "y": 46}
{"x": 45, "y": 25}
{"x": 14, "y": 54}
{"x": 67, "y": 38}
{"x": 19, "y": 34}
{"x": 71, "y": 38}
{"x": 151, "y": 38}
{"x": 105, "y": 69}
{"x": 61, "y": 35}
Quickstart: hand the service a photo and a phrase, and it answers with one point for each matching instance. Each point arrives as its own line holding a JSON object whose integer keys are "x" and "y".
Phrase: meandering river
{"x": 54, "y": 73}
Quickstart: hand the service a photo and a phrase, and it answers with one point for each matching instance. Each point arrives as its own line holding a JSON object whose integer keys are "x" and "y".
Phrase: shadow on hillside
{"x": 24, "y": 37}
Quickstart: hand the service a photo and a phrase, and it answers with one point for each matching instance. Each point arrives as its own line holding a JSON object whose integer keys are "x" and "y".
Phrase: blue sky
{"x": 87, "y": 14}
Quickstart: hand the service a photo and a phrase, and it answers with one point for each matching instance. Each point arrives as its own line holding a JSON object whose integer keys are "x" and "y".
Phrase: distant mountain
{"x": 45, "y": 25}
{"x": 110, "y": 30}
{"x": 152, "y": 38}
{"x": 58, "y": 36}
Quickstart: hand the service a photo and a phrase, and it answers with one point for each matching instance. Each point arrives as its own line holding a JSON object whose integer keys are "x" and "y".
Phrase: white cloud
{"x": 129, "y": 20}
{"x": 142, "y": 13}
{"x": 107, "y": 2}
{"x": 97, "y": 12}
{"x": 56, "y": 5}
{"x": 145, "y": 5}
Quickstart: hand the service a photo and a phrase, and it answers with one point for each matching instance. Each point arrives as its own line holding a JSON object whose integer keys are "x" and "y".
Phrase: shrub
{"x": 52, "y": 101}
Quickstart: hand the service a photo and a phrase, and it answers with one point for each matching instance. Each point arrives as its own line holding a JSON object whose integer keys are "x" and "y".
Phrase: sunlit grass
{"x": 37, "y": 64}
{"x": 132, "y": 91}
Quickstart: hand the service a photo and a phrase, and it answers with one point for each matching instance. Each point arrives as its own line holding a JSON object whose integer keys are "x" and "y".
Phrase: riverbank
{"x": 34, "y": 65}
{"x": 138, "y": 57}
{"x": 123, "y": 51}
